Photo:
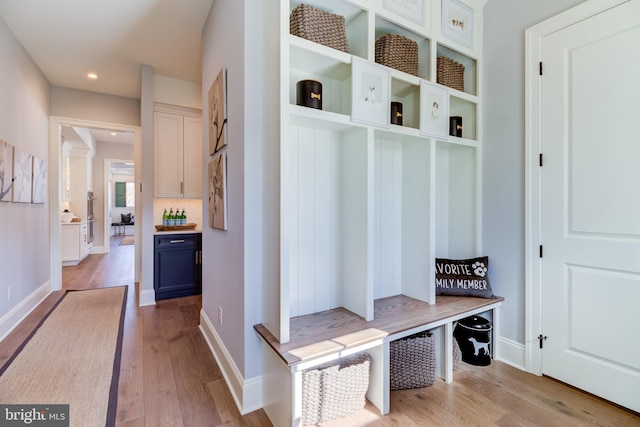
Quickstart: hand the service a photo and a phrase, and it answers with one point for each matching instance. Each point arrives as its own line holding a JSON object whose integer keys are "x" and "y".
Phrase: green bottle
{"x": 183, "y": 218}
{"x": 165, "y": 217}
{"x": 171, "y": 217}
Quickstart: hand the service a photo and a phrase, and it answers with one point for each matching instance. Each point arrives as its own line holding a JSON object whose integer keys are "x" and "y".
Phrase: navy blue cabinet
{"x": 177, "y": 265}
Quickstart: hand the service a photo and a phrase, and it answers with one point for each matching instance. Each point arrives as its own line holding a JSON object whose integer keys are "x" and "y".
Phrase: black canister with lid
{"x": 396, "y": 113}
{"x": 455, "y": 126}
{"x": 309, "y": 94}
{"x": 474, "y": 338}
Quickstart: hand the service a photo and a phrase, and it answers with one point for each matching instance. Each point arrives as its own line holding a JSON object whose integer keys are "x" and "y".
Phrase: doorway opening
{"x": 97, "y": 133}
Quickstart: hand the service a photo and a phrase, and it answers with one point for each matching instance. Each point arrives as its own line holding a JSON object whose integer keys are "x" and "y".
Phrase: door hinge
{"x": 540, "y": 67}
{"x": 540, "y": 159}
{"x": 540, "y": 251}
{"x": 542, "y": 338}
{"x": 141, "y": 187}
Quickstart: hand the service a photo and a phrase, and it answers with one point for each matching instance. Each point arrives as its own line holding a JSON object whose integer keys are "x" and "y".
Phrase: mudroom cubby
{"x": 365, "y": 209}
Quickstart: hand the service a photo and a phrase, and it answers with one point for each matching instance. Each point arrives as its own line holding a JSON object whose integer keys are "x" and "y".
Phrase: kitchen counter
{"x": 159, "y": 233}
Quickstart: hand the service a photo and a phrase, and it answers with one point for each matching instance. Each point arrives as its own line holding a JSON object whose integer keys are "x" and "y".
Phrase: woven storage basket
{"x": 334, "y": 391}
{"x": 319, "y": 26}
{"x": 398, "y": 52}
{"x": 412, "y": 362}
{"x": 450, "y": 73}
{"x": 457, "y": 354}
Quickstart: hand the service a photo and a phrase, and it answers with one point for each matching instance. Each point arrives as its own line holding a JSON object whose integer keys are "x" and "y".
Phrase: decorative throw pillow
{"x": 463, "y": 277}
{"x": 126, "y": 218}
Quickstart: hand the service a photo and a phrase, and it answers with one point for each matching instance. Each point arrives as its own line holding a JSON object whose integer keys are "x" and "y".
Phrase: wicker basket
{"x": 334, "y": 391}
{"x": 412, "y": 362}
{"x": 319, "y": 26}
{"x": 450, "y": 73}
{"x": 457, "y": 354}
{"x": 398, "y": 52}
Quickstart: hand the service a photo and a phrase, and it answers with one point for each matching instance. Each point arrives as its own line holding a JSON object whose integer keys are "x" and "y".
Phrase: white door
{"x": 591, "y": 204}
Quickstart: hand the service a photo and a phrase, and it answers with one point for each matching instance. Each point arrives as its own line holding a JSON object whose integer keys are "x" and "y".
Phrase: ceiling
{"x": 67, "y": 39}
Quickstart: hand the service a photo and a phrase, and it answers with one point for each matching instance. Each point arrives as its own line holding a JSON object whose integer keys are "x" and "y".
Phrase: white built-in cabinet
{"x": 75, "y": 247}
{"x": 177, "y": 135}
{"x": 365, "y": 210}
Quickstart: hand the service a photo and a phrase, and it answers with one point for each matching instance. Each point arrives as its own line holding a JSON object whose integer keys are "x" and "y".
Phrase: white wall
{"x": 80, "y": 104}
{"x": 172, "y": 91}
{"x": 223, "y": 251}
{"x": 503, "y": 168}
{"x": 24, "y": 123}
{"x": 239, "y": 263}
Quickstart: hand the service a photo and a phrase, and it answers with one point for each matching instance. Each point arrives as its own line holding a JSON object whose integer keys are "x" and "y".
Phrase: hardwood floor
{"x": 168, "y": 376}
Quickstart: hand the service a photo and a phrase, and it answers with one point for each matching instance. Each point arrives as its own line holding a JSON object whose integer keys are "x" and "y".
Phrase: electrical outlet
{"x": 10, "y": 293}
{"x": 220, "y": 315}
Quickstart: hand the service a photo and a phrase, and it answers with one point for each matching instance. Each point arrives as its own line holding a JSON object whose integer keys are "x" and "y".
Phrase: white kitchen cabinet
{"x": 177, "y": 135}
{"x": 74, "y": 243}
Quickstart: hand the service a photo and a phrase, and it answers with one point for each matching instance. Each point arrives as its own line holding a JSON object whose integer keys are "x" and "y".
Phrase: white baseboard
{"x": 98, "y": 250}
{"x": 147, "y": 297}
{"x": 246, "y": 393}
{"x": 13, "y": 318}
{"x": 511, "y": 353}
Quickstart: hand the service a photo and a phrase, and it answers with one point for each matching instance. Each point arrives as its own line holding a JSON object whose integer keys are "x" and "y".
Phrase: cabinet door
{"x": 70, "y": 239}
{"x": 177, "y": 268}
{"x": 168, "y": 154}
{"x": 192, "y": 157}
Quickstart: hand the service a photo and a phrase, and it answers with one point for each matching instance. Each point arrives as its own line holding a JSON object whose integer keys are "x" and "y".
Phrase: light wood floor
{"x": 169, "y": 377}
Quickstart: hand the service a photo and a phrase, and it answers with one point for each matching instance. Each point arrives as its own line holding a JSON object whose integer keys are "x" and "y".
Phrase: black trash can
{"x": 474, "y": 338}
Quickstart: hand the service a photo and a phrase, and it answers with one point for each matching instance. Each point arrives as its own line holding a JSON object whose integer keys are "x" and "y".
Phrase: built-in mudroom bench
{"x": 333, "y": 334}
{"x": 380, "y": 172}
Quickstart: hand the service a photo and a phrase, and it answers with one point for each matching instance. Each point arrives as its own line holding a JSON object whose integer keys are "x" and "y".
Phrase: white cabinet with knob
{"x": 177, "y": 136}
{"x": 74, "y": 243}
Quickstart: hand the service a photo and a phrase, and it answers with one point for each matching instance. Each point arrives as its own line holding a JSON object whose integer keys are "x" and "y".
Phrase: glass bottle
{"x": 171, "y": 218}
{"x": 165, "y": 217}
{"x": 183, "y": 218}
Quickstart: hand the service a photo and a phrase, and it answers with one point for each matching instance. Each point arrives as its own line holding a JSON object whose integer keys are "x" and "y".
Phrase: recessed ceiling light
{"x": 92, "y": 76}
{"x": 114, "y": 134}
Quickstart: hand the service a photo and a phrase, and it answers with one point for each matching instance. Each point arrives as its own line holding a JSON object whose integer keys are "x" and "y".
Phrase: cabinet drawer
{"x": 177, "y": 241}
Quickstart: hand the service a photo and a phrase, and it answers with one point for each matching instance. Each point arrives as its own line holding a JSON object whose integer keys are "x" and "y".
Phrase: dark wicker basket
{"x": 319, "y": 26}
{"x": 399, "y": 52}
{"x": 412, "y": 362}
{"x": 450, "y": 73}
{"x": 334, "y": 391}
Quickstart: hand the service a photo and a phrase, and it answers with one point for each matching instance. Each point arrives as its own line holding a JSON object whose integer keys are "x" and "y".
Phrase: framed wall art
{"x": 6, "y": 171}
{"x": 410, "y": 9}
{"x": 218, "y": 112}
{"x": 371, "y": 93}
{"x": 22, "y": 169}
{"x": 218, "y": 191}
{"x": 458, "y": 22}
{"x": 434, "y": 110}
{"x": 39, "y": 180}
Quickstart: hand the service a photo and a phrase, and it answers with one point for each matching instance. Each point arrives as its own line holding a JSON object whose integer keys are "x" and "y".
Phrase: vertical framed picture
{"x": 6, "y": 171}
{"x": 410, "y": 9}
{"x": 218, "y": 191}
{"x": 371, "y": 93}
{"x": 458, "y": 22}
{"x": 39, "y": 180}
{"x": 218, "y": 112}
{"x": 434, "y": 110}
{"x": 22, "y": 169}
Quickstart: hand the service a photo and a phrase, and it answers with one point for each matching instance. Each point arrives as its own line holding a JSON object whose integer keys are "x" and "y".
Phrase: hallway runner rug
{"x": 72, "y": 357}
{"x": 127, "y": 240}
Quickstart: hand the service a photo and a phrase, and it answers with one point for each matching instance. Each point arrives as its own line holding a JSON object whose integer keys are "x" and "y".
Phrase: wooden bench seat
{"x": 393, "y": 316}
{"x": 332, "y": 334}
